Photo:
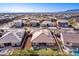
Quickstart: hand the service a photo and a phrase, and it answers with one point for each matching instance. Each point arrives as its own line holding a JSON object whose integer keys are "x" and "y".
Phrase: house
{"x": 34, "y": 23}
{"x": 63, "y": 23}
{"x": 42, "y": 39}
{"x": 46, "y": 24}
{"x": 18, "y": 23}
{"x": 71, "y": 39}
{"x": 11, "y": 39}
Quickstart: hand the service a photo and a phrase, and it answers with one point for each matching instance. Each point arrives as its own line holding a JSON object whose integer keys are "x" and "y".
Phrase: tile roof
{"x": 46, "y": 22}
{"x": 42, "y": 36}
{"x": 10, "y": 37}
{"x": 34, "y": 21}
{"x": 71, "y": 37}
{"x": 20, "y": 34}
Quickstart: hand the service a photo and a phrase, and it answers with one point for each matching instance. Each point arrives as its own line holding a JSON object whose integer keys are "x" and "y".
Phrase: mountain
{"x": 72, "y": 11}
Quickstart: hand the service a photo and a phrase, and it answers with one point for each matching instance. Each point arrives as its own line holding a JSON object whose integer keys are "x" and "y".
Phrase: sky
{"x": 37, "y": 7}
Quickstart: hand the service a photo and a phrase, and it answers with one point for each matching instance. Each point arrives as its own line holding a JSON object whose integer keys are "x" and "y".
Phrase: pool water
{"x": 76, "y": 53}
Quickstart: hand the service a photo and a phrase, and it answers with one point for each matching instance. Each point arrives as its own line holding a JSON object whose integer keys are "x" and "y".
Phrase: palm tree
{"x": 54, "y": 21}
{"x": 57, "y": 42}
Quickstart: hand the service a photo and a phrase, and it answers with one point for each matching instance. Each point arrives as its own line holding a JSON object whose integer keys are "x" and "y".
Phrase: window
{"x": 7, "y": 44}
{"x": 42, "y": 44}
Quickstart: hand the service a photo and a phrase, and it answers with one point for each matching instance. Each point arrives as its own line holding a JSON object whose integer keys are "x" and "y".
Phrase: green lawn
{"x": 41, "y": 52}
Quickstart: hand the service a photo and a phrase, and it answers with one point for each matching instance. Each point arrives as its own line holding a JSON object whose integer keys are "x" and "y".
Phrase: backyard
{"x": 41, "y": 52}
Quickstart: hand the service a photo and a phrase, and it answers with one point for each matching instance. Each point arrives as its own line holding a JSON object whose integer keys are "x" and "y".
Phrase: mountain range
{"x": 72, "y": 11}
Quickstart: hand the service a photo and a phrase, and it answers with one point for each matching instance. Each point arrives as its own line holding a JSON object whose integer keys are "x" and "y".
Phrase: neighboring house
{"x": 71, "y": 39}
{"x": 11, "y": 39}
{"x": 63, "y": 23}
{"x": 34, "y": 23}
{"x": 42, "y": 39}
{"x": 46, "y": 24}
{"x": 18, "y": 23}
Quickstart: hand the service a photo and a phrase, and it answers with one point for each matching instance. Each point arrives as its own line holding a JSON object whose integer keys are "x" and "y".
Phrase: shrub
{"x": 41, "y": 52}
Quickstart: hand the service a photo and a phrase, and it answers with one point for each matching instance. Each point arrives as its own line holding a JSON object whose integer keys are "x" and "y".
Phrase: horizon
{"x": 36, "y": 7}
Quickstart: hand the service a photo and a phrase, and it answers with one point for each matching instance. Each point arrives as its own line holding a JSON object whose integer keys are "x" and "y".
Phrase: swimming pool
{"x": 76, "y": 53}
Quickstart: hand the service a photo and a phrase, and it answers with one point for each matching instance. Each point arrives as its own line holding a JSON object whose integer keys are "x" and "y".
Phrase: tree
{"x": 2, "y": 30}
{"x": 54, "y": 21}
{"x": 72, "y": 22}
